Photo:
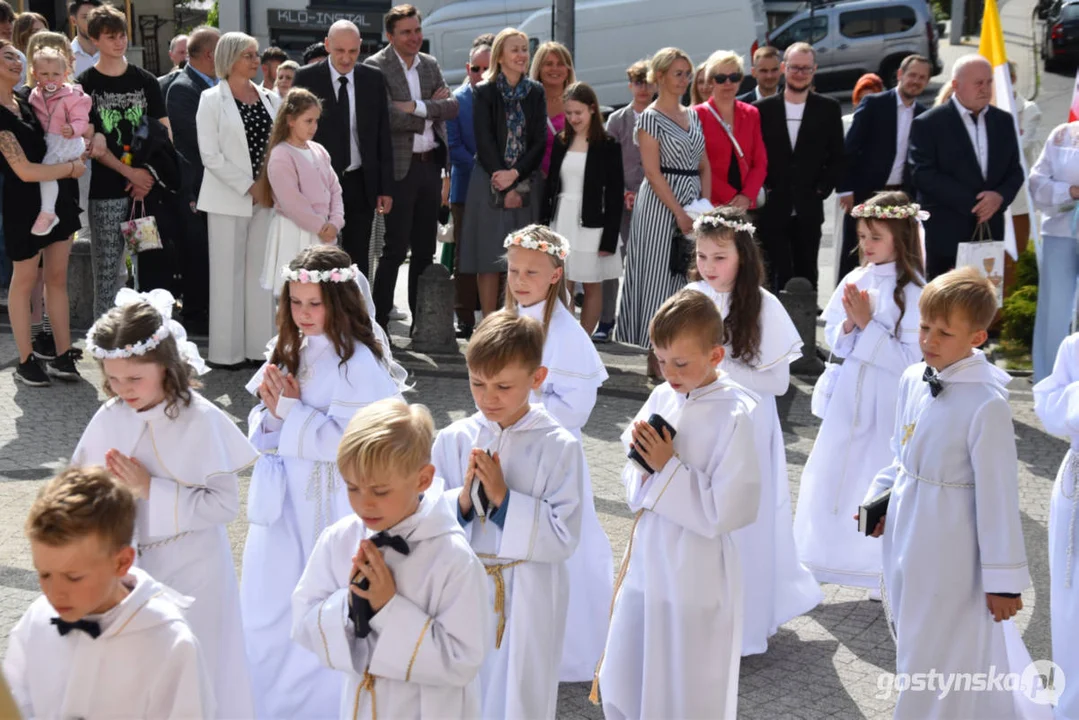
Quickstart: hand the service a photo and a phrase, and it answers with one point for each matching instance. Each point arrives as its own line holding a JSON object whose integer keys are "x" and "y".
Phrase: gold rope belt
{"x": 368, "y": 684}
{"x": 494, "y": 571}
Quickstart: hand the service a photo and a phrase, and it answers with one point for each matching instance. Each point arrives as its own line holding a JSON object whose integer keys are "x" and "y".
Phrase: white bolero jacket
{"x": 1053, "y": 175}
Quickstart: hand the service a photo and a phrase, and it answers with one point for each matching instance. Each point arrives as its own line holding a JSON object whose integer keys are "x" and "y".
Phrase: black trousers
{"x": 359, "y": 216}
{"x": 196, "y": 268}
{"x": 848, "y": 254}
{"x": 938, "y": 263}
{"x": 411, "y": 224}
{"x": 791, "y": 245}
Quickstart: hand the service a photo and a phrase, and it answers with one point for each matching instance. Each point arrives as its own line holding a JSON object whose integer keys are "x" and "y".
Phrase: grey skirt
{"x": 485, "y": 227}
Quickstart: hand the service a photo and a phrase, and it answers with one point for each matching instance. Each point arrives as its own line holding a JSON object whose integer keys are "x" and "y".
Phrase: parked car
{"x": 862, "y": 36}
{"x": 1061, "y": 41}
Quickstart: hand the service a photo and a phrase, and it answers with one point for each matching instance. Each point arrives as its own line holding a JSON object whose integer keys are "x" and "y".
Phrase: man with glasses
{"x": 766, "y": 73}
{"x": 462, "y": 140}
{"x": 803, "y": 134}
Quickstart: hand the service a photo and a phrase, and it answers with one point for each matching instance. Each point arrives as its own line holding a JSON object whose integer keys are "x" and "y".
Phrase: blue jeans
{"x": 1057, "y": 288}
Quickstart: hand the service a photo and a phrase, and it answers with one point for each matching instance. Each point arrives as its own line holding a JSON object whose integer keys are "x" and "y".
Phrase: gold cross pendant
{"x": 908, "y": 430}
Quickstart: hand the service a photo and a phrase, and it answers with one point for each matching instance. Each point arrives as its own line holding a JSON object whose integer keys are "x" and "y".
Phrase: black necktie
{"x": 90, "y": 627}
{"x": 345, "y": 121}
{"x": 359, "y": 609}
{"x": 933, "y": 378}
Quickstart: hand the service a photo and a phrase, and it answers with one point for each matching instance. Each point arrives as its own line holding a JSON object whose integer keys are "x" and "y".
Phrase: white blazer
{"x": 223, "y": 147}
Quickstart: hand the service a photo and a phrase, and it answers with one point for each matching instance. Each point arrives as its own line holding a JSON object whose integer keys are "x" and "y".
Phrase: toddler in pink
{"x": 64, "y": 112}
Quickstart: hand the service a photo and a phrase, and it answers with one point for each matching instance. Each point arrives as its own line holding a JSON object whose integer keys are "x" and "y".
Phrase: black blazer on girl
{"x": 601, "y": 202}
{"x": 489, "y": 124}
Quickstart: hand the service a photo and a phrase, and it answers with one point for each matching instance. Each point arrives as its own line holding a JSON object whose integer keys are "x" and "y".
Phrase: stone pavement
{"x": 826, "y": 663}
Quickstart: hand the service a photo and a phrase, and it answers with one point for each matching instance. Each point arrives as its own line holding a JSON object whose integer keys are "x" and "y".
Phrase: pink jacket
{"x": 68, "y": 106}
{"x": 306, "y": 193}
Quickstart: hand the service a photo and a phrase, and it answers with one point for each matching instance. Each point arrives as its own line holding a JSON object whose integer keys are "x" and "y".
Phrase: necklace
{"x": 306, "y": 366}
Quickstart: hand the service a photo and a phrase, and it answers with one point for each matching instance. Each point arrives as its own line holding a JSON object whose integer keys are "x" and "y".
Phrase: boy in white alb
{"x": 675, "y": 643}
{"x": 105, "y": 640}
{"x": 954, "y": 560}
{"x": 532, "y": 520}
{"x": 393, "y": 596}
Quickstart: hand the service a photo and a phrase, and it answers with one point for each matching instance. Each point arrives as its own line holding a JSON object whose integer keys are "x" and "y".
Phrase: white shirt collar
{"x": 965, "y": 112}
{"x": 404, "y": 64}
{"x": 334, "y": 75}
{"x": 76, "y": 49}
{"x": 900, "y": 104}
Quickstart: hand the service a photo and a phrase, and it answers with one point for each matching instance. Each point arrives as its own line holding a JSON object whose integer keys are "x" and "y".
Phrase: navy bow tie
{"x": 932, "y": 377}
{"x": 90, "y": 627}
{"x": 359, "y": 609}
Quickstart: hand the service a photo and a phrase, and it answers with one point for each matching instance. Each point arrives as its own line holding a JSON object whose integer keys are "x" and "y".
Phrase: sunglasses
{"x": 477, "y": 68}
{"x": 734, "y": 77}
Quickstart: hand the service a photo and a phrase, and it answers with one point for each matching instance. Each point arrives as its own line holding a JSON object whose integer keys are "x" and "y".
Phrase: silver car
{"x": 863, "y": 36}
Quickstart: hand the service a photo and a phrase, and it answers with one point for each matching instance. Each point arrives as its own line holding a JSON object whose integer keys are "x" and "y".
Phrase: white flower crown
{"x": 163, "y": 302}
{"x": 890, "y": 212}
{"x": 543, "y": 246}
{"x": 719, "y": 221}
{"x": 336, "y": 275}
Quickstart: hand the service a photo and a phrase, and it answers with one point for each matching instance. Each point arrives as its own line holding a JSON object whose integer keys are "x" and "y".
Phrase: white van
{"x": 610, "y": 34}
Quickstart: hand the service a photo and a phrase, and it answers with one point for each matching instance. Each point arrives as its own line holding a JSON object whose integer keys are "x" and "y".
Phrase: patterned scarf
{"x": 515, "y": 117}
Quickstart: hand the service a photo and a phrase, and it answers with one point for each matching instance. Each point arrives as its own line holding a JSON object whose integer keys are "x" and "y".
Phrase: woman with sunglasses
{"x": 732, "y": 135}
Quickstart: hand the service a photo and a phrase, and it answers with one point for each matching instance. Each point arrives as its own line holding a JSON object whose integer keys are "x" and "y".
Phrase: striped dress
{"x": 648, "y": 279}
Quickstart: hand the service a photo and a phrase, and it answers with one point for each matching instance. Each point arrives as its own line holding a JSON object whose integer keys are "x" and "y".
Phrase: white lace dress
{"x": 584, "y": 263}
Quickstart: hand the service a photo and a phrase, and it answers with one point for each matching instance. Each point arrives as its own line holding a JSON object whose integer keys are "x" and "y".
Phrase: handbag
{"x": 824, "y": 388}
{"x": 762, "y": 195}
{"x": 140, "y": 233}
{"x": 683, "y": 253}
{"x": 986, "y": 256}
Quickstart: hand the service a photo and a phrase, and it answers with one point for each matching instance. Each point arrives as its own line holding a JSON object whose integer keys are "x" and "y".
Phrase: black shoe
{"x": 464, "y": 332}
{"x": 45, "y": 346}
{"x": 578, "y": 299}
{"x": 63, "y": 367}
{"x": 30, "y": 373}
{"x": 603, "y": 333}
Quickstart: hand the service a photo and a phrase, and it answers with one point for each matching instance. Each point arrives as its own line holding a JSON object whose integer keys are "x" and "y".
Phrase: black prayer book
{"x": 871, "y": 512}
{"x": 659, "y": 424}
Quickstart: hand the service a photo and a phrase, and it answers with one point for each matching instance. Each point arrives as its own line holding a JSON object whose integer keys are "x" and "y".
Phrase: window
{"x": 1069, "y": 12}
{"x": 878, "y": 21}
{"x": 810, "y": 30}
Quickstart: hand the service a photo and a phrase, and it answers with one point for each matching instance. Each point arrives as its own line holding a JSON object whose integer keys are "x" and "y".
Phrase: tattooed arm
{"x": 34, "y": 172}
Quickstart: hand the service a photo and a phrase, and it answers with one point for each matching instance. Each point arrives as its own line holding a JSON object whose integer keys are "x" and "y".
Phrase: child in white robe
{"x": 675, "y": 638}
{"x": 327, "y": 363}
{"x": 1055, "y": 402}
{"x": 759, "y": 344}
{"x": 953, "y": 537}
{"x": 871, "y": 322}
{"x": 532, "y": 481}
{"x": 105, "y": 640}
{"x": 416, "y": 635}
{"x": 536, "y": 288}
{"x": 181, "y": 455}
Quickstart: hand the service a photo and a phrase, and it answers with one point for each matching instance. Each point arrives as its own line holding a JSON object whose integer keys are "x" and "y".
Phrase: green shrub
{"x": 1026, "y": 268}
{"x": 213, "y": 17}
{"x": 1019, "y": 310}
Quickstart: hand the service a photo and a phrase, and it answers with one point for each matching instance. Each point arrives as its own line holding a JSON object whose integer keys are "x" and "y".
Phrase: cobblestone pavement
{"x": 824, "y": 664}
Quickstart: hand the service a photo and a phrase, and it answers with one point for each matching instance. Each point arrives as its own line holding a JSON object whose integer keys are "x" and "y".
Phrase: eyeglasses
{"x": 250, "y": 56}
{"x": 801, "y": 69}
{"x": 734, "y": 77}
{"x": 477, "y": 68}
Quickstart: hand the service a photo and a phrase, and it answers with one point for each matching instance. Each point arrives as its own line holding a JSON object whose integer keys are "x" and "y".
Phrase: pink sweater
{"x": 68, "y": 106}
{"x": 305, "y": 192}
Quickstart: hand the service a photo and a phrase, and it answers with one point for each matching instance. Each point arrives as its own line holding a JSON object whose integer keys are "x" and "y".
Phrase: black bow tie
{"x": 90, "y": 627}
{"x": 932, "y": 377}
{"x": 359, "y": 609}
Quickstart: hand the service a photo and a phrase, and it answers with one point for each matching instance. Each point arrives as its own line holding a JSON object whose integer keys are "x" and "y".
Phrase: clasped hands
{"x": 276, "y": 385}
{"x": 656, "y": 449}
{"x": 129, "y": 472}
{"x": 369, "y": 563}
{"x": 487, "y": 469}
{"x": 856, "y": 304}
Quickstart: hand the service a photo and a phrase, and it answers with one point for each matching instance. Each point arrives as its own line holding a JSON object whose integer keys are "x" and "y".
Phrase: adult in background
{"x": 732, "y": 135}
{"x": 621, "y": 125}
{"x": 233, "y": 122}
{"x": 701, "y": 87}
{"x": 965, "y": 167}
{"x": 178, "y": 56}
{"x": 766, "y": 61}
{"x": 270, "y": 60}
{"x": 1029, "y": 117}
{"x": 82, "y": 45}
{"x": 315, "y": 52}
{"x": 462, "y": 138}
{"x": 803, "y": 134}
{"x": 355, "y": 129}
{"x": 676, "y": 172}
{"x": 868, "y": 84}
{"x": 553, "y": 68}
{"x": 509, "y": 115}
{"x": 286, "y": 73}
{"x": 182, "y": 104}
{"x": 876, "y": 149}
{"x": 22, "y": 146}
{"x": 26, "y": 25}
{"x": 420, "y": 105}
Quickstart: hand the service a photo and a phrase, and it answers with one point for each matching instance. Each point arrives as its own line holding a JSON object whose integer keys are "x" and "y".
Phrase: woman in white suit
{"x": 234, "y": 122}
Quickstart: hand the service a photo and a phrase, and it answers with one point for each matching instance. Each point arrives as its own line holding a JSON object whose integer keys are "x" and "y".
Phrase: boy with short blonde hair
{"x": 675, "y": 641}
{"x": 526, "y": 471}
{"x": 393, "y": 596}
{"x": 954, "y": 559}
{"x": 105, "y": 639}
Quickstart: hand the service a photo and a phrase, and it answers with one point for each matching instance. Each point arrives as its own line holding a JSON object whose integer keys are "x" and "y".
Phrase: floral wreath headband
{"x": 529, "y": 243}
{"x": 890, "y": 212}
{"x": 717, "y": 221}
{"x": 336, "y": 275}
{"x": 163, "y": 302}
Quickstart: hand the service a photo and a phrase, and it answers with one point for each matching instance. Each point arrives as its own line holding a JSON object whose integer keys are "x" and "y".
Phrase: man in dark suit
{"x": 965, "y": 165}
{"x": 876, "y": 147}
{"x": 178, "y": 54}
{"x": 182, "y": 103}
{"x": 420, "y": 104}
{"x": 803, "y": 134}
{"x": 766, "y": 72}
{"x": 355, "y": 130}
